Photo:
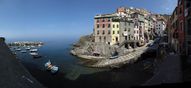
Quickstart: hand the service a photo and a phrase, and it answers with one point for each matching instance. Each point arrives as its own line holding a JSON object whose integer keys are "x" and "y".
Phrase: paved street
{"x": 169, "y": 71}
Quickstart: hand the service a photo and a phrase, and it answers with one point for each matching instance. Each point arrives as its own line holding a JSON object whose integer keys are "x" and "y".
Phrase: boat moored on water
{"x": 33, "y": 50}
{"x": 18, "y": 49}
{"x": 35, "y": 55}
{"x": 27, "y": 48}
{"x": 52, "y": 68}
{"x": 23, "y": 51}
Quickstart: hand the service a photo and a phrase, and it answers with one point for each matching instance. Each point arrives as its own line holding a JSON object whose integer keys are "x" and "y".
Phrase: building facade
{"x": 160, "y": 27}
{"x": 179, "y": 28}
{"x": 188, "y": 26}
{"x": 126, "y": 24}
{"x": 106, "y": 29}
{"x": 173, "y": 30}
{"x": 126, "y": 30}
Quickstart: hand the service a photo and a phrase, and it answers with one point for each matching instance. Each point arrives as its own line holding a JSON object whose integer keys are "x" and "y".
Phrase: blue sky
{"x": 63, "y": 18}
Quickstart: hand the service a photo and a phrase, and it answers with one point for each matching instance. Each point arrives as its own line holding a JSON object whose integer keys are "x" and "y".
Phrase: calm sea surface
{"x": 72, "y": 74}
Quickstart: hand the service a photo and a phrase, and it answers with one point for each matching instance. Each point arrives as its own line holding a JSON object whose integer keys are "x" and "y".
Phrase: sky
{"x": 64, "y": 18}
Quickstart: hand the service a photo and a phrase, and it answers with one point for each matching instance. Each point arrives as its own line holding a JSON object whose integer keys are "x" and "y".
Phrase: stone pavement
{"x": 128, "y": 58}
{"x": 169, "y": 71}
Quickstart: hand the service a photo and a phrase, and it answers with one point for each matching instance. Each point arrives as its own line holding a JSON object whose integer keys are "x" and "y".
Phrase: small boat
{"x": 35, "y": 55}
{"x": 23, "y": 51}
{"x": 113, "y": 57}
{"x": 18, "y": 49}
{"x": 52, "y": 68}
{"x": 27, "y": 48}
{"x": 33, "y": 50}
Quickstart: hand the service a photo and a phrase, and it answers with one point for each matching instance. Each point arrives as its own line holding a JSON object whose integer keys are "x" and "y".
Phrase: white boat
{"x": 33, "y": 53}
{"x": 27, "y": 48}
{"x": 18, "y": 49}
{"x": 52, "y": 68}
{"x": 33, "y": 50}
{"x": 23, "y": 51}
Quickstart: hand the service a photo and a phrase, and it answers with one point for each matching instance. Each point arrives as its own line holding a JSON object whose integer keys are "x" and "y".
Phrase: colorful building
{"x": 127, "y": 24}
{"x": 106, "y": 29}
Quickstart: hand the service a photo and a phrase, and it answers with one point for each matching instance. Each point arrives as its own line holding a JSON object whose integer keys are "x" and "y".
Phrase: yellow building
{"x": 115, "y": 33}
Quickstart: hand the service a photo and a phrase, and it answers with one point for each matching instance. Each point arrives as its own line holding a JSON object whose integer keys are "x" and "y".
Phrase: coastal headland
{"x": 85, "y": 49}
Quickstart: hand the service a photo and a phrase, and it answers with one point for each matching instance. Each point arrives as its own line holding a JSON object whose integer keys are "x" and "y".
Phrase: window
{"x": 117, "y": 32}
{"x": 113, "y": 26}
{"x": 103, "y": 20}
{"x": 109, "y": 32}
{"x": 125, "y": 37}
{"x": 113, "y": 32}
{"x": 97, "y": 25}
{"x": 103, "y": 26}
{"x": 104, "y": 39}
{"x": 116, "y": 38}
{"x": 129, "y": 30}
{"x": 109, "y": 20}
{"x": 97, "y": 20}
{"x": 103, "y": 32}
{"x": 100, "y": 38}
{"x": 109, "y": 25}
{"x": 129, "y": 37}
{"x": 125, "y": 29}
{"x": 117, "y": 26}
{"x": 98, "y": 32}
{"x": 180, "y": 10}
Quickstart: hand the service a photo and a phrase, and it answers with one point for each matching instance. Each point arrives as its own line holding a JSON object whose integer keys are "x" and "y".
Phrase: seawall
{"x": 12, "y": 73}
